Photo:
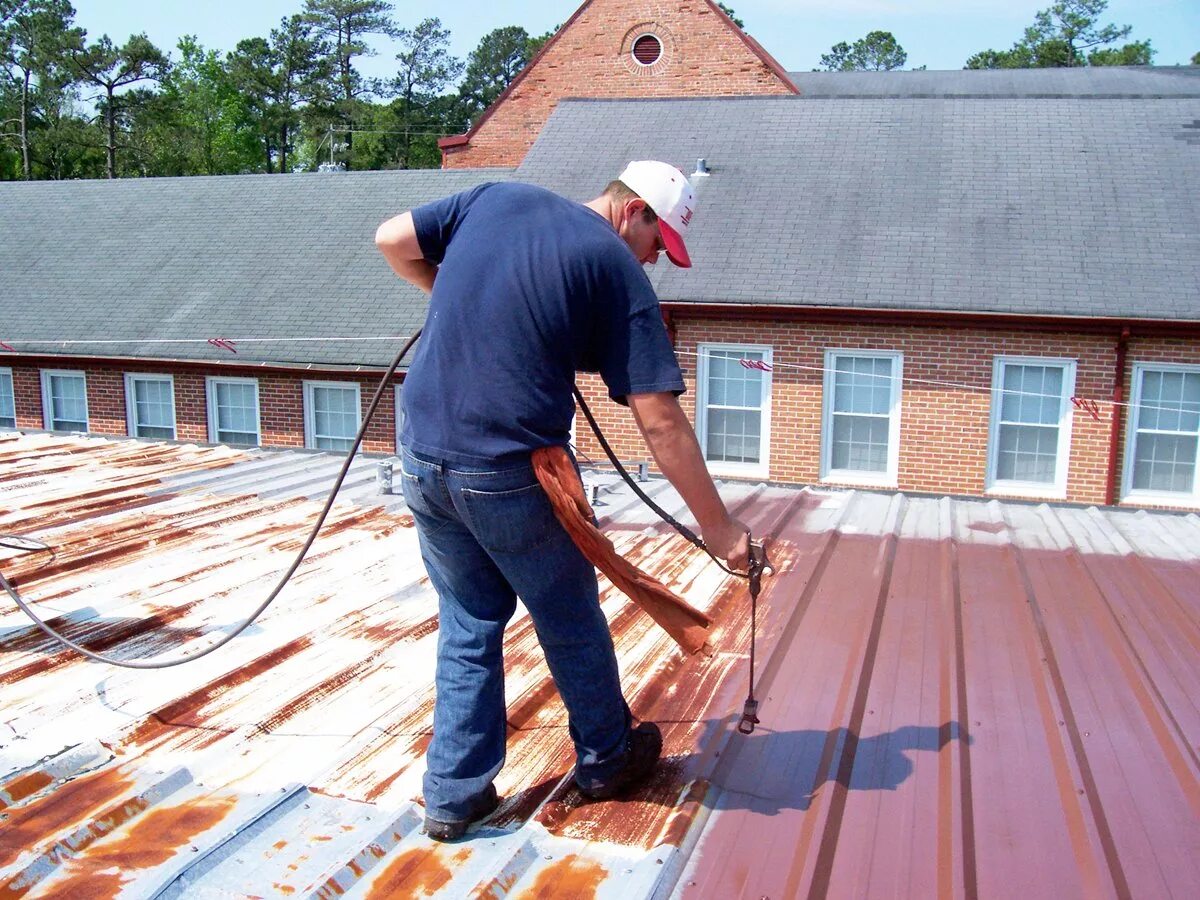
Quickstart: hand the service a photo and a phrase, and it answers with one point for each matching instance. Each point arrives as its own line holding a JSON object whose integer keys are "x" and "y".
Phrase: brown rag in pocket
{"x": 682, "y": 621}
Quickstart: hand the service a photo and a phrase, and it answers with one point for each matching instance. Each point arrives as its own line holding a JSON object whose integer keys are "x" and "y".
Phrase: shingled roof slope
{"x": 240, "y": 256}
{"x": 1070, "y": 207}
{"x": 1086, "y": 81}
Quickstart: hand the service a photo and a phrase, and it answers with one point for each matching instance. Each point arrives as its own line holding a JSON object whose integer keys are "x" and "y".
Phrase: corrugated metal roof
{"x": 960, "y": 698}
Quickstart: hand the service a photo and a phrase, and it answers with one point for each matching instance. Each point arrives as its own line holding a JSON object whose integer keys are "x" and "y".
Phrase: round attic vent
{"x": 647, "y": 50}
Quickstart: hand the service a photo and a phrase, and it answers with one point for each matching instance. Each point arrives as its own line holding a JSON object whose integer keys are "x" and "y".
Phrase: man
{"x": 527, "y": 288}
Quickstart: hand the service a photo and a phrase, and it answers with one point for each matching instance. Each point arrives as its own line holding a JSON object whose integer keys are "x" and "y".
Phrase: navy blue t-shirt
{"x": 531, "y": 288}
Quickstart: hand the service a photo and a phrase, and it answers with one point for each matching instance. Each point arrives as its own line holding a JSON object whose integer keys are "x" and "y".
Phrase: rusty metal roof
{"x": 959, "y": 698}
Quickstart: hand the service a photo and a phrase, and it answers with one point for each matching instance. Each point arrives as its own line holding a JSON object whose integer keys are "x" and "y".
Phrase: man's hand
{"x": 730, "y": 541}
{"x": 672, "y": 442}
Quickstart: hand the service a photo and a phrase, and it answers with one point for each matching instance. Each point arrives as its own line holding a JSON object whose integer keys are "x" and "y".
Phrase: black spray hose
{"x": 168, "y": 663}
{"x": 758, "y": 564}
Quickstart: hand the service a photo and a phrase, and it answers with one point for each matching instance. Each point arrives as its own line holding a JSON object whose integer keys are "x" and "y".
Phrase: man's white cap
{"x": 666, "y": 191}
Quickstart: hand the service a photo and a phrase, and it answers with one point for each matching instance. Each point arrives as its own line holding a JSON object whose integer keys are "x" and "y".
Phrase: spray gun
{"x": 758, "y": 565}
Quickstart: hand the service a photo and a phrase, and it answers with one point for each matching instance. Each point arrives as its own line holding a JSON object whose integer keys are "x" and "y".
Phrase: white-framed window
{"x": 332, "y": 413}
{"x": 733, "y": 408}
{"x": 150, "y": 405}
{"x": 1162, "y": 461}
{"x": 64, "y": 400}
{"x": 1029, "y": 442}
{"x": 233, "y": 411}
{"x": 860, "y": 418}
{"x": 8, "y": 400}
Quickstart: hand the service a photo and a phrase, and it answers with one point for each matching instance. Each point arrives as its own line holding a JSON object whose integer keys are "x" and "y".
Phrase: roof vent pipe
{"x": 701, "y": 168}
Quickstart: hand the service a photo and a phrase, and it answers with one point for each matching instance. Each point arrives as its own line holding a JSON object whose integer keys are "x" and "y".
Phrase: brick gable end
{"x": 703, "y": 55}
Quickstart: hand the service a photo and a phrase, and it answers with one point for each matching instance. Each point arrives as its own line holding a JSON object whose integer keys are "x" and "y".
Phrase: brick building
{"x": 620, "y": 49}
{"x": 982, "y": 283}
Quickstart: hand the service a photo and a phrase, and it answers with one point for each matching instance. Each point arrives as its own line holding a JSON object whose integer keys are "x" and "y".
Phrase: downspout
{"x": 1118, "y": 396}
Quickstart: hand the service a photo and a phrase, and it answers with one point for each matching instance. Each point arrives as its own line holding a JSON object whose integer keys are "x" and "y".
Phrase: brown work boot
{"x": 440, "y": 830}
{"x": 644, "y": 749}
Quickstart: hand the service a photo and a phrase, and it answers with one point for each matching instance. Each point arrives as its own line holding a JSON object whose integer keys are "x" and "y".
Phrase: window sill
{"x": 859, "y": 479}
{"x": 1024, "y": 491}
{"x": 1173, "y": 501}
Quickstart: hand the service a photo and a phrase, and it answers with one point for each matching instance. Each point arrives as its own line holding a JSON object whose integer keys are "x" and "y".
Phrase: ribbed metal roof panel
{"x": 959, "y": 698}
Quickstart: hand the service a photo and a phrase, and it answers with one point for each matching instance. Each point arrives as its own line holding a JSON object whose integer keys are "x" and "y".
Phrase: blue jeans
{"x": 487, "y": 537}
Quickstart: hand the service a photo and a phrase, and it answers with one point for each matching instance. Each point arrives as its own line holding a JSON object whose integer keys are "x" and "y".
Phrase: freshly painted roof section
{"x": 1076, "y": 207}
{"x": 960, "y": 698}
{"x": 249, "y": 256}
{"x": 1147, "y": 82}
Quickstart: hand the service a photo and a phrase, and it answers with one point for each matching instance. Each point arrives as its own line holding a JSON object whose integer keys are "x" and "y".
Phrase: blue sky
{"x": 935, "y": 33}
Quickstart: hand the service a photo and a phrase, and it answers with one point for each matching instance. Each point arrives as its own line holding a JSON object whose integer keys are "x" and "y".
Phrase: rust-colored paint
{"x": 279, "y": 845}
{"x": 417, "y": 873}
{"x": 190, "y": 708}
{"x": 569, "y": 877}
{"x": 35, "y": 826}
{"x": 24, "y": 786}
{"x": 283, "y": 888}
{"x": 150, "y": 842}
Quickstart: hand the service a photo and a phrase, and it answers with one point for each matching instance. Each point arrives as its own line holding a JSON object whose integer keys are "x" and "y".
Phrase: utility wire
{"x": 1185, "y": 407}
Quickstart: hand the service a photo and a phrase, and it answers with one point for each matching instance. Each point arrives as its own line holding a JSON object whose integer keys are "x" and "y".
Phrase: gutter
{"x": 1104, "y": 325}
{"x": 113, "y": 362}
{"x": 1114, "y": 438}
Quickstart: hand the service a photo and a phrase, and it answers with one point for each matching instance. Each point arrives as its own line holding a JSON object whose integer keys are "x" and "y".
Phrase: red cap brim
{"x": 676, "y": 252}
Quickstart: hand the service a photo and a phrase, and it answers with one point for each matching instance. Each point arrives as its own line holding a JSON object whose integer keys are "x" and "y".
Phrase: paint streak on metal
{"x": 571, "y": 876}
{"x": 414, "y": 873}
{"x": 84, "y": 801}
{"x": 497, "y": 888}
{"x": 153, "y": 839}
{"x": 23, "y": 787}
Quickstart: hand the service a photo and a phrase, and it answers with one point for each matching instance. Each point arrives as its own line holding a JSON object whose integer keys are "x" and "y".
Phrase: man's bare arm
{"x": 397, "y": 241}
{"x": 673, "y": 444}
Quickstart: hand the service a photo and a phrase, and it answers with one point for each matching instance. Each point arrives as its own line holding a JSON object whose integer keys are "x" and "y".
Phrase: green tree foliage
{"x": 1068, "y": 34}
{"x": 109, "y": 68}
{"x": 344, "y": 24}
{"x": 426, "y": 69}
{"x": 1196, "y": 59}
{"x": 732, "y": 16}
{"x": 877, "y": 51}
{"x": 277, "y": 77}
{"x": 491, "y": 67}
{"x": 206, "y": 123}
{"x": 35, "y": 37}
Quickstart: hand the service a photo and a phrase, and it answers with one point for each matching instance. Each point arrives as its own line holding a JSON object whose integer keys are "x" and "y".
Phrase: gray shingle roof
{"x": 1088, "y": 81}
{"x": 1042, "y": 207}
{"x": 230, "y": 256}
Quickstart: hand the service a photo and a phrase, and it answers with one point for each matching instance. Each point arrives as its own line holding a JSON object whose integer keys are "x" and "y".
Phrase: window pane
{"x": 860, "y": 443}
{"x": 153, "y": 415}
{"x": 335, "y": 417}
{"x": 862, "y": 385}
{"x": 1165, "y": 462}
{"x": 734, "y": 419}
{"x": 734, "y": 435}
{"x": 1027, "y": 453}
{"x": 237, "y": 413}
{"x": 8, "y": 406}
{"x": 68, "y": 403}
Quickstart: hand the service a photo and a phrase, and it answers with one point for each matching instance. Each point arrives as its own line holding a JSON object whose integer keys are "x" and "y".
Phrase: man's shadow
{"x": 774, "y": 770}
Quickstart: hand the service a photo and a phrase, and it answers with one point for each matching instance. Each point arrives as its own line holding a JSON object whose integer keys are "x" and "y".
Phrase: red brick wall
{"x": 702, "y": 56}
{"x": 944, "y": 429}
{"x": 280, "y": 400}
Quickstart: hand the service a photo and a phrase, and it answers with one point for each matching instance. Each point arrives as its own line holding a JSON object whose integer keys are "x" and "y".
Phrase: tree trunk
{"x": 283, "y": 141}
{"x": 28, "y": 171}
{"x": 110, "y": 114}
